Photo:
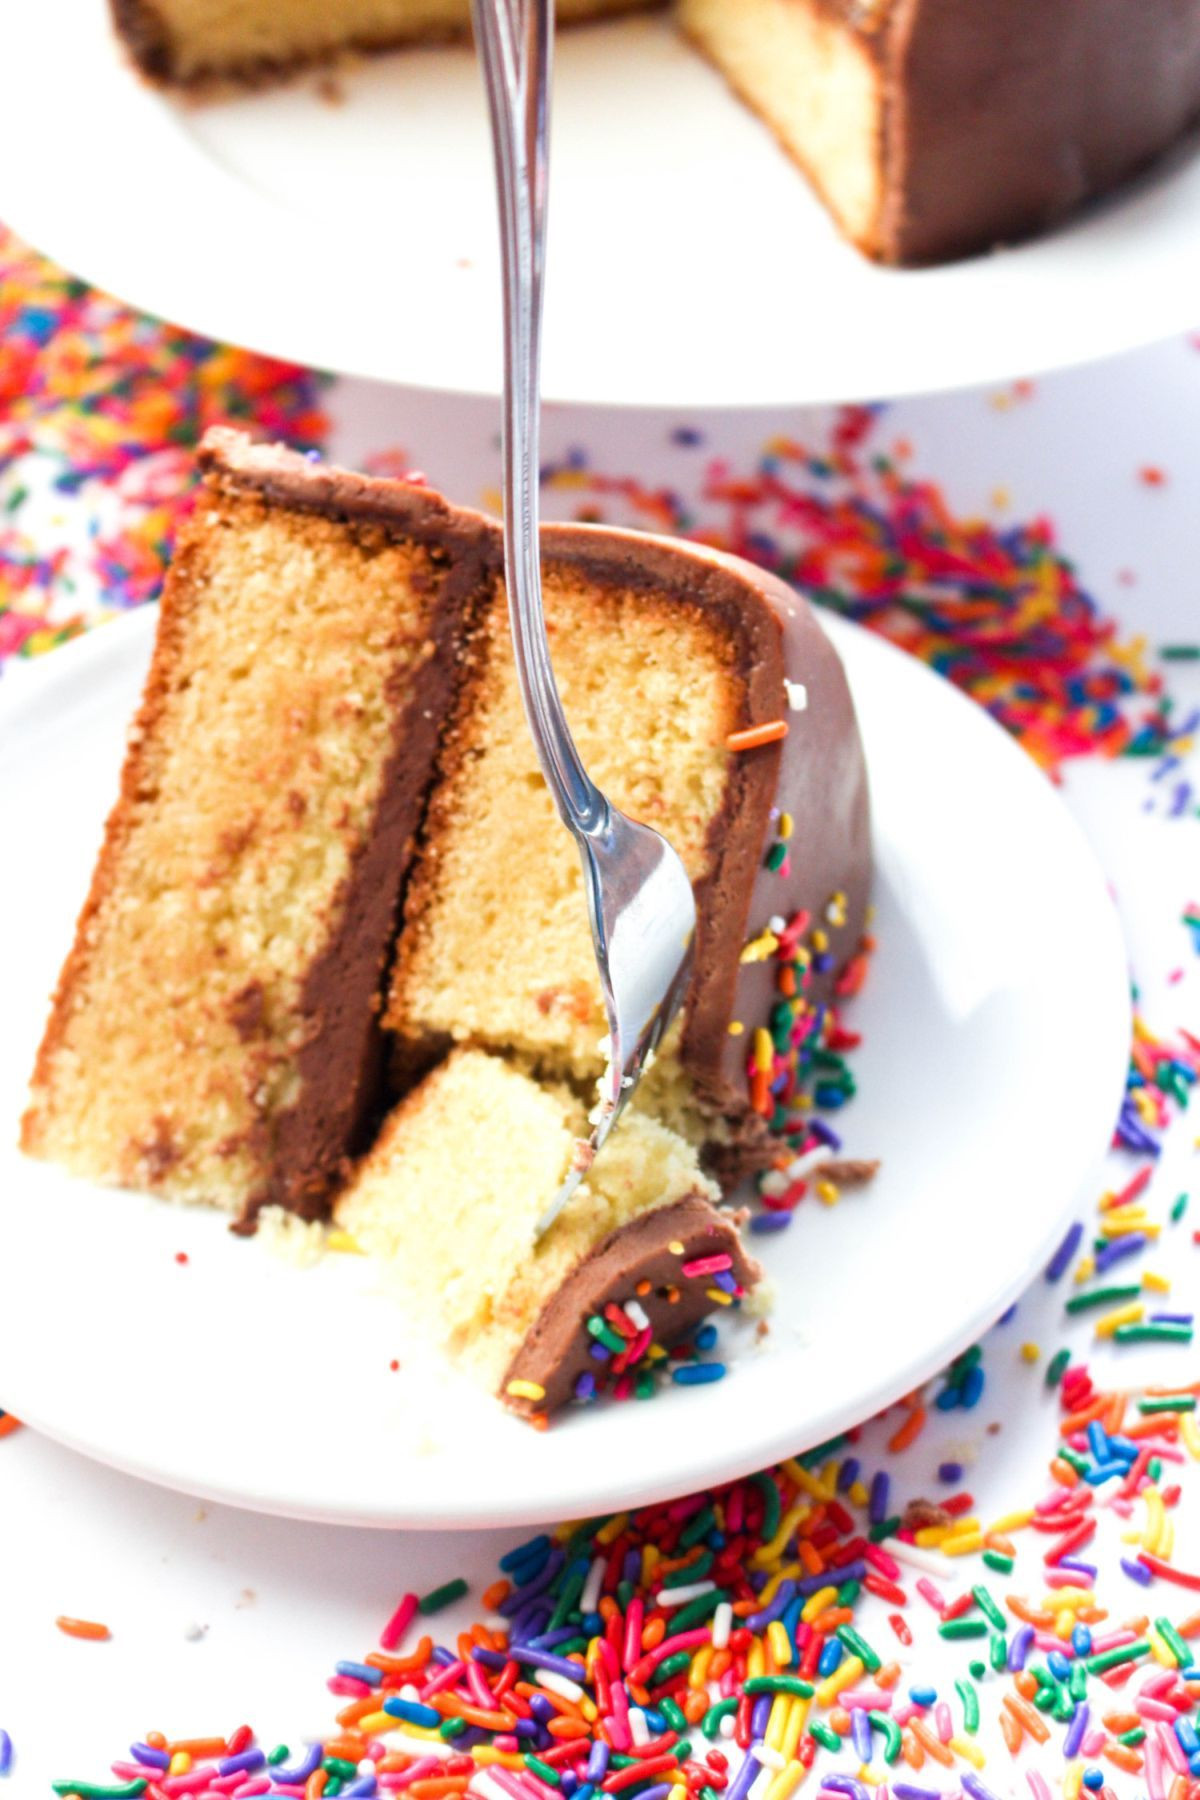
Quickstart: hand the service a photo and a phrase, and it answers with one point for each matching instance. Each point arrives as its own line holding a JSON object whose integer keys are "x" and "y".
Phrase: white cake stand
{"x": 690, "y": 265}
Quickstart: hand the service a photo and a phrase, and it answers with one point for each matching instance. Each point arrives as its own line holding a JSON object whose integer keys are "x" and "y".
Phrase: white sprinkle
{"x": 410, "y": 1692}
{"x": 639, "y": 1728}
{"x": 769, "y": 1758}
{"x": 774, "y": 1183}
{"x": 726, "y": 1727}
{"x": 801, "y": 1166}
{"x": 797, "y": 696}
{"x": 918, "y": 1559}
{"x": 592, "y": 1586}
{"x": 484, "y": 1784}
{"x": 677, "y": 1595}
{"x": 777, "y": 923}
{"x": 558, "y": 1684}
{"x": 722, "y": 1625}
{"x": 635, "y": 1311}
{"x": 417, "y": 1746}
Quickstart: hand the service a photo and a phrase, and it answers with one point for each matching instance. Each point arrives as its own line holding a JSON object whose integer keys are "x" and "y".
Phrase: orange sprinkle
{"x": 1077, "y": 1421}
{"x": 8, "y": 1425}
{"x": 1021, "y": 1609}
{"x": 499, "y": 1591}
{"x": 1025, "y": 1684}
{"x": 401, "y": 1665}
{"x": 1190, "y": 1627}
{"x": 914, "y": 1756}
{"x": 888, "y": 1676}
{"x": 839, "y": 1721}
{"x": 1115, "y": 1414}
{"x": 930, "y": 1742}
{"x": 1063, "y": 1473}
{"x": 754, "y": 736}
{"x": 1157, "y": 1425}
{"x": 831, "y": 1618}
{"x": 209, "y": 1746}
{"x": 694, "y": 1707}
{"x": 722, "y": 1660}
{"x": 1033, "y": 1722}
{"x": 910, "y": 1431}
{"x": 495, "y": 1721}
{"x": 434, "y": 1787}
{"x": 353, "y": 1749}
{"x": 1012, "y": 1730}
{"x": 566, "y": 1729}
{"x": 356, "y": 1710}
{"x": 1179, "y": 1789}
{"x": 1119, "y": 1722}
{"x": 89, "y": 1629}
{"x": 653, "y": 1633}
{"x": 314, "y": 1787}
{"x": 156, "y": 1740}
{"x": 1125, "y": 1757}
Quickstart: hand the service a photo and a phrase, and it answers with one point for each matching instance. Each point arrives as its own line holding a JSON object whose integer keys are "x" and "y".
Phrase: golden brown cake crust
{"x": 338, "y": 1063}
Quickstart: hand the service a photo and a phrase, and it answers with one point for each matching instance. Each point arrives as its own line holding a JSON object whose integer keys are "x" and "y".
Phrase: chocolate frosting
{"x": 1000, "y": 116}
{"x": 816, "y": 774}
{"x": 558, "y": 1347}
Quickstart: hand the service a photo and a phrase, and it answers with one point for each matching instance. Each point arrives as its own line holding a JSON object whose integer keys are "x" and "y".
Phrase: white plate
{"x": 997, "y": 1028}
{"x": 689, "y": 264}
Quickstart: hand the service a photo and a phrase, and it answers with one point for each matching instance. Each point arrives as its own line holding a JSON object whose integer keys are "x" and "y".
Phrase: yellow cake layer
{"x": 651, "y": 693}
{"x": 450, "y": 1197}
{"x": 287, "y": 645}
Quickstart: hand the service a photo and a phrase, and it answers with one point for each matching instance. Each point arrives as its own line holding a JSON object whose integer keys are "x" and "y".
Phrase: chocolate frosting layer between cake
{"x": 648, "y": 1253}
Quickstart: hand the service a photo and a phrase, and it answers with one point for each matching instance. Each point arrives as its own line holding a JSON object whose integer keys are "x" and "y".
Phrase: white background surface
{"x": 688, "y": 260}
{"x": 282, "y": 1601}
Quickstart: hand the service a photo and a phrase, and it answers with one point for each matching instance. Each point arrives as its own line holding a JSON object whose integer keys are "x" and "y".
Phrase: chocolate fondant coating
{"x": 558, "y": 1348}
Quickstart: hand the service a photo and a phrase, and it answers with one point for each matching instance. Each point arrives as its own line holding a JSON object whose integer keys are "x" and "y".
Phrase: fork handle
{"x": 515, "y": 39}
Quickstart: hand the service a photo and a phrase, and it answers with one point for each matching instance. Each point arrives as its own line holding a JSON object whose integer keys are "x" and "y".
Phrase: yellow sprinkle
{"x": 784, "y": 1572}
{"x": 698, "y": 1672}
{"x": 807, "y": 1482}
{"x": 963, "y": 1544}
{"x": 816, "y": 1603}
{"x": 655, "y": 1353}
{"x": 785, "y": 1781}
{"x": 181, "y": 1762}
{"x": 1189, "y": 1431}
{"x": 1073, "y": 1780}
{"x": 1121, "y": 1315}
{"x": 786, "y": 826}
{"x": 377, "y": 1722}
{"x": 827, "y": 1191}
{"x": 344, "y": 1241}
{"x": 1084, "y": 1270}
{"x": 1155, "y": 1519}
{"x": 781, "y": 1650}
{"x": 764, "y": 1049}
{"x": 608, "y": 1534}
{"x": 766, "y": 1554}
{"x": 844, "y": 1676}
{"x": 1159, "y": 1651}
{"x": 756, "y": 1661}
{"x": 1030, "y": 1353}
{"x": 526, "y": 1390}
{"x": 651, "y": 1557}
{"x": 1001, "y": 499}
{"x": 1074, "y": 1596}
{"x": 1064, "y": 1624}
{"x": 1157, "y": 1284}
{"x": 972, "y": 1752}
{"x": 1166, "y": 1540}
{"x": 930, "y": 1536}
{"x": 1126, "y": 1222}
{"x": 718, "y": 1297}
{"x": 675, "y": 1247}
{"x": 780, "y": 1707}
{"x": 760, "y": 948}
{"x": 1013, "y": 1521}
{"x": 819, "y": 940}
{"x": 796, "y": 1721}
{"x": 736, "y": 1028}
{"x": 859, "y": 1494}
{"x": 487, "y": 1756}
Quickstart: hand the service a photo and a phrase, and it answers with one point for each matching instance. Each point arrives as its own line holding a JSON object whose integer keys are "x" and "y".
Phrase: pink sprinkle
{"x": 906, "y": 1712}
{"x": 1155, "y": 1709}
{"x": 347, "y": 1685}
{"x": 1113, "y": 1640}
{"x": 481, "y": 1693}
{"x": 1064, "y": 1578}
{"x": 1157, "y": 1682}
{"x": 708, "y": 1265}
{"x": 447, "y": 1677}
{"x": 506, "y": 1742}
{"x": 887, "y": 1565}
{"x": 257, "y": 1784}
{"x": 866, "y": 1699}
{"x": 424, "y": 1765}
{"x": 191, "y": 1783}
{"x": 728, "y": 1684}
{"x": 1054, "y": 1499}
{"x": 1094, "y": 1741}
{"x": 1038, "y": 1785}
{"x": 125, "y": 1771}
{"x": 393, "y": 1632}
{"x": 1172, "y": 1750}
{"x": 1153, "y": 1768}
{"x": 633, "y": 1632}
{"x": 928, "y": 1592}
{"x": 943, "y": 1721}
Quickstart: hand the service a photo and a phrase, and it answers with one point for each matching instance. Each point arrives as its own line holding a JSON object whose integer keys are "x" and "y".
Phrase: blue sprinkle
{"x": 1058, "y": 1665}
{"x": 6, "y": 1753}
{"x": 697, "y": 1374}
{"x": 706, "y": 1337}
{"x": 923, "y": 1696}
{"x": 950, "y": 1472}
{"x": 412, "y": 1711}
{"x": 687, "y": 436}
{"x": 1056, "y": 1268}
{"x": 1081, "y": 1641}
{"x": 972, "y": 1387}
{"x": 1185, "y": 1731}
{"x": 831, "y": 1656}
{"x": 948, "y": 1399}
{"x": 1097, "y": 1439}
{"x": 1093, "y": 1778}
{"x": 764, "y": 1222}
{"x": 360, "y": 1672}
{"x": 537, "y": 1549}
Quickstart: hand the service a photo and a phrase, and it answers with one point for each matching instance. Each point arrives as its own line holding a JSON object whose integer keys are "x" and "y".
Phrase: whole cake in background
{"x": 334, "y": 883}
{"x": 932, "y": 129}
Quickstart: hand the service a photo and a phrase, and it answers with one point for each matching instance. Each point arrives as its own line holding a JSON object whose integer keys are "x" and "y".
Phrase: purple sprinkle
{"x": 745, "y": 1778}
{"x": 658, "y": 1791}
{"x": 6, "y": 1752}
{"x": 950, "y": 1472}
{"x": 760, "y": 1714}
{"x": 877, "y": 1504}
{"x": 154, "y": 1759}
{"x": 597, "y": 1762}
{"x": 1160, "y": 1318}
{"x": 1077, "y": 1730}
{"x": 1019, "y": 1648}
{"x": 687, "y": 436}
{"x": 545, "y": 1659}
{"x": 812, "y": 1584}
{"x": 860, "y": 1734}
{"x": 825, "y": 1132}
{"x": 848, "y": 1474}
{"x": 1056, "y": 1268}
{"x": 1137, "y": 1571}
{"x": 845, "y": 1784}
{"x": 299, "y": 1772}
{"x": 763, "y": 1222}
{"x": 244, "y": 1763}
{"x": 1078, "y": 1567}
{"x": 784, "y": 1595}
{"x": 1120, "y": 1247}
{"x": 977, "y": 1789}
{"x": 585, "y": 1386}
{"x": 904, "y": 1790}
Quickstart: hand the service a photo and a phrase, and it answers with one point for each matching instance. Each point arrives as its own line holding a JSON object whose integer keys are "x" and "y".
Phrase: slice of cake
{"x": 190, "y": 42}
{"x": 214, "y": 1036}
{"x": 449, "y": 1199}
{"x": 707, "y": 702}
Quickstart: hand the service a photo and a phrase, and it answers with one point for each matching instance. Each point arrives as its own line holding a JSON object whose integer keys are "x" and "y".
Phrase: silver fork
{"x": 640, "y": 901}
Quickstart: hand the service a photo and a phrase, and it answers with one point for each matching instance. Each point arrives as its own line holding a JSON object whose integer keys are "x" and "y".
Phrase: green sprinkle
{"x": 891, "y": 1734}
{"x": 962, "y": 1628}
{"x": 671, "y": 1666}
{"x": 644, "y": 1388}
{"x": 858, "y": 1646}
{"x": 1103, "y": 1296}
{"x": 446, "y": 1595}
{"x": 776, "y": 855}
{"x": 451, "y": 1728}
{"x": 886, "y": 1528}
{"x": 1047, "y": 1699}
{"x": 697, "y": 1528}
{"x": 711, "y": 1723}
{"x": 332, "y": 1788}
{"x": 1153, "y": 1334}
{"x": 779, "y": 1684}
{"x": 970, "y": 1705}
{"x": 279, "y": 1754}
{"x": 618, "y": 1760}
{"x": 848, "y": 1593}
{"x": 1178, "y": 1209}
{"x": 1134, "y": 1737}
{"x": 998, "y": 1652}
{"x": 1176, "y": 1403}
{"x": 673, "y": 1713}
{"x": 697, "y": 1611}
{"x": 604, "y": 1332}
{"x": 88, "y": 1790}
{"x": 543, "y": 1770}
{"x": 1108, "y": 1659}
{"x": 1056, "y": 1368}
{"x": 568, "y": 1594}
{"x": 772, "y": 1505}
{"x": 824, "y": 1735}
{"x": 709, "y": 1793}
{"x": 978, "y": 1669}
{"x": 683, "y": 1749}
{"x": 1077, "y": 1462}
{"x": 988, "y": 1608}
{"x": 625, "y": 1593}
{"x": 337, "y": 1765}
{"x": 1174, "y": 1643}
{"x": 692, "y": 1572}
{"x": 1077, "y": 1682}
{"x": 996, "y": 1559}
{"x": 1179, "y": 652}
{"x": 962, "y": 1365}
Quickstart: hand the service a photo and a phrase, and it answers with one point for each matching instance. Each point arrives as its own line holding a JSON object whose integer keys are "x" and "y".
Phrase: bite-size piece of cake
{"x": 449, "y": 1200}
{"x": 214, "y": 1036}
